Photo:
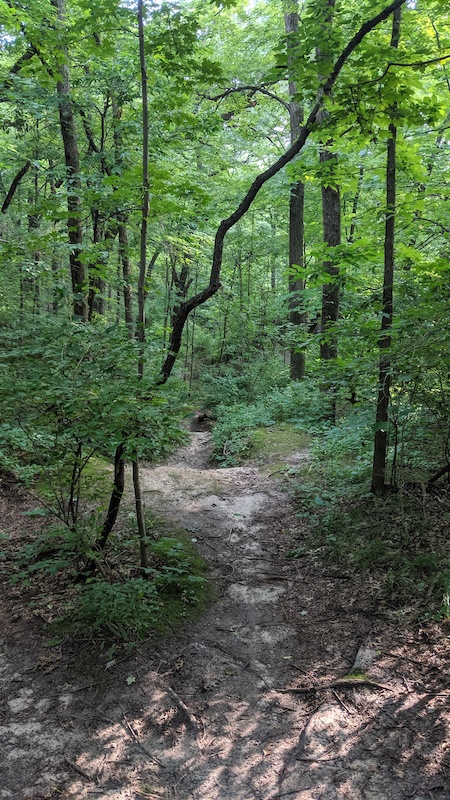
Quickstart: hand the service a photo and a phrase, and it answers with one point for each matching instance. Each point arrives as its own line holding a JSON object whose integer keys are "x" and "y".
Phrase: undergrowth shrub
{"x": 400, "y": 540}
{"x": 124, "y": 602}
{"x": 124, "y": 610}
{"x": 234, "y": 433}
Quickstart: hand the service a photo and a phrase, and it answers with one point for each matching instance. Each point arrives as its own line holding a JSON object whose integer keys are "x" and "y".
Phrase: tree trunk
{"x": 296, "y": 285}
{"x": 140, "y": 332}
{"x": 116, "y": 497}
{"x": 139, "y": 503}
{"x": 72, "y": 160}
{"x": 126, "y": 272}
{"x": 124, "y": 256}
{"x": 331, "y": 216}
{"x": 96, "y": 300}
{"x": 384, "y": 385}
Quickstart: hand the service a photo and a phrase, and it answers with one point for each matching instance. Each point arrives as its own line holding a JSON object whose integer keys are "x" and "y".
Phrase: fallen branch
{"x": 135, "y": 738}
{"x": 79, "y": 771}
{"x": 339, "y": 683}
{"x": 192, "y": 721}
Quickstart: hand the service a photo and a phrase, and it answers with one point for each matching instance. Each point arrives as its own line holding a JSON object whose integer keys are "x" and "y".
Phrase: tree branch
{"x": 252, "y": 89}
{"x": 12, "y": 189}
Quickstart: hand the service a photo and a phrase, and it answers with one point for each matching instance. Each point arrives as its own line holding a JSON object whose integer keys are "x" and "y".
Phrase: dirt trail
{"x": 246, "y": 704}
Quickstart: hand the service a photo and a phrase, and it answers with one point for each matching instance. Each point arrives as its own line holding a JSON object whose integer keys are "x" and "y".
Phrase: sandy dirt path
{"x": 250, "y": 702}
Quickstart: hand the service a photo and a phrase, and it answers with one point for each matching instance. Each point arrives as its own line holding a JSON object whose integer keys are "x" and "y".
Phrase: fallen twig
{"x": 135, "y": 738}
{"x": 403, "y": 658}
{"x": 191, "y": 719}
{"x": 340, "y": 683}
{"x": 341, "y": 703}
{"x": 80, "y": 771}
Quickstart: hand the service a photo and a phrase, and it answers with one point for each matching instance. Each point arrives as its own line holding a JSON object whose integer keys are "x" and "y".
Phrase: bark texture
{"x": 384, "y": 384}
{"x": 72, "y": 161}
{"x": 296, "y": 285}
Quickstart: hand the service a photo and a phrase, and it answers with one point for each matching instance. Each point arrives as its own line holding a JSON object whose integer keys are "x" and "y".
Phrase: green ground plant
{"x": 400, "y": 540}
{"x": 121, "y": 602}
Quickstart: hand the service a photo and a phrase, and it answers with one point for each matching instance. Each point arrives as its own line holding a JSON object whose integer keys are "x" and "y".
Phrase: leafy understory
{"x": 121, "y": 602}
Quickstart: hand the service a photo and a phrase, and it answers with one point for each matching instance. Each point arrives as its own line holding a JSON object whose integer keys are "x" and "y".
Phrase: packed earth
{"x": 296, "y": 682}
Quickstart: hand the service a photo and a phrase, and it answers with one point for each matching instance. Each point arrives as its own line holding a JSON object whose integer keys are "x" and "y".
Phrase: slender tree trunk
{"x": 145, "y": 192}
{"x": 296, "y": 285}
{"x": 116, "y": 497}
{"x": 33, "y": 227}
{"x": 384, "y": 385}
{"x": 96, "y": 299}
{"x": 351, "y": 235}
{"x": 139, "y": 503}
{"x": 331, "y": 215}
{"x": 126, "y": 272}
{"x": 72, "y": 160}
{"x": 55, "y": 263}
{"x": 124, "y": 255}
{"x": 142, "y": 273}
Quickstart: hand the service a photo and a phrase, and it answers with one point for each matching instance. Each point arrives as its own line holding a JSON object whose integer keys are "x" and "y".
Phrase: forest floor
{"x": 255, "y": 700}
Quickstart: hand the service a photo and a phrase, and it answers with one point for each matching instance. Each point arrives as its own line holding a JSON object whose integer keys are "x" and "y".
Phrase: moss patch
{"x": 276, "y": 445}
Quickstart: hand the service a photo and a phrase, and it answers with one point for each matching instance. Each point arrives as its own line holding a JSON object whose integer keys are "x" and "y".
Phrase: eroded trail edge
{"x": 255, "y": 700}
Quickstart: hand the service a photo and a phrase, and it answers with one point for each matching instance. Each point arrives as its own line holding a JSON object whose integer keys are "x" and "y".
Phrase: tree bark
{"x": 116, "y": 497}
{"x": 97, "y": 284}
{"x": 15, "y": 183}
{"x": 331, "y": 216}
{"x": 384, "y": 381}
{"x": 296, "y": 285}
{"x": 72, "y": 160}
{"x": 140, "y": 332}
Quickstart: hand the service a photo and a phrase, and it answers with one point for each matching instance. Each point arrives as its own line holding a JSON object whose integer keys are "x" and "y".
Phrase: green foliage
{"x": 122, "y": 610}
{"x": 399, "y": 541}
{"x": 127, "y": 605}
{"x": 70, "y": 393}
{"x": 234, "y": 433}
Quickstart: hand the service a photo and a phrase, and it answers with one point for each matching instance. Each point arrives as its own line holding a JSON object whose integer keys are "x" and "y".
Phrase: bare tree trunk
{"x": 331, "y": 215}
{"x": 116, "y": 497}
{"x": 140, "y": 332}
{"x": 380, "y": 444}
{"x": 72, "y": 159}
{"x": 142, "y": 272}
{"x": 124, "y": 255}
{"x": 96, "y": 299}
{"x": 139, "y": 503}
{"x": 296, "y": 285}
{"x": 126, "y": 272}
